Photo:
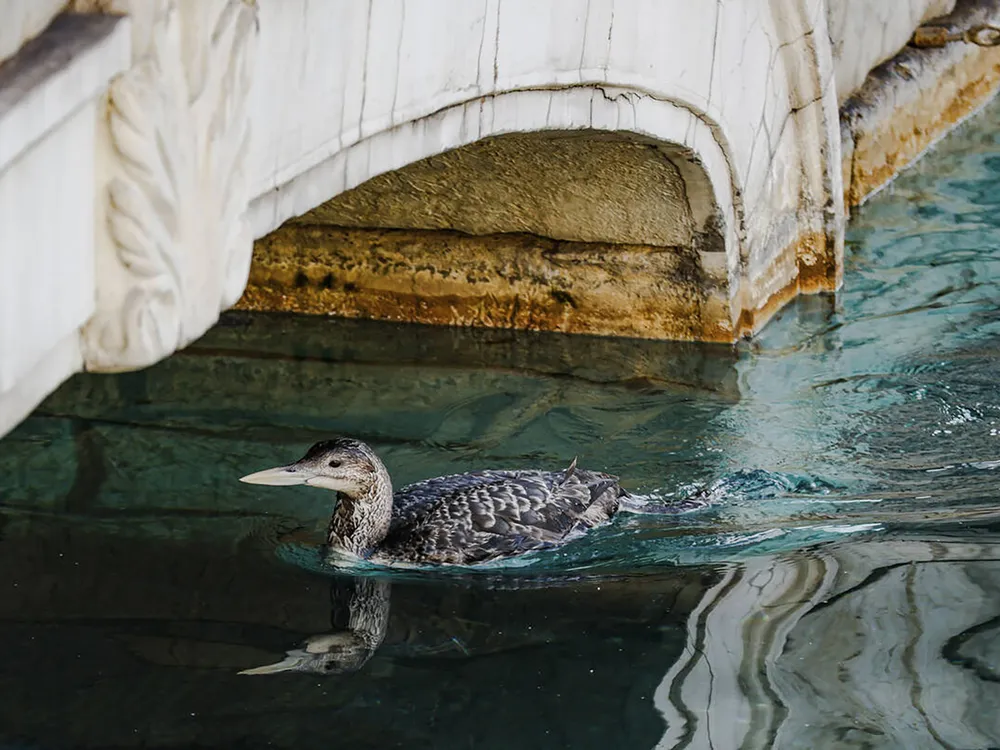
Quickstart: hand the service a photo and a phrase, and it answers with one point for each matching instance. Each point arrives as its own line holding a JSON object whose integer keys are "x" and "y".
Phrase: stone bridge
{"x": 644, "y": 168}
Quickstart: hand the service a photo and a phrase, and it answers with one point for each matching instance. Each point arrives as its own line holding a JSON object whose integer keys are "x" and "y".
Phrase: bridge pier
{"x": 637, "y": 168}
{"x": 52, "y": 94}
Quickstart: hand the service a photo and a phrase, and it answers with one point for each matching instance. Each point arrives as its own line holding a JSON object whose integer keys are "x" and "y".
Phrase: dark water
{"x": 840, "y": 590}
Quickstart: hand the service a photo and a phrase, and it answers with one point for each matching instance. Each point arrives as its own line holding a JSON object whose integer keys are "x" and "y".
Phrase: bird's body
{"x": 469, "y": 518}
{"x": 461, "y": 519}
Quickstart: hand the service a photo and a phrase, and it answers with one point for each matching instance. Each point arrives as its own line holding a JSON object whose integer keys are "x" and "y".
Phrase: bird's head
{"x": 335, "y": 653}
{"x": 342, "y": 464}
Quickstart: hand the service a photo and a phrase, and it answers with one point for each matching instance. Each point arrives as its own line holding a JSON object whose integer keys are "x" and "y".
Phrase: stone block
{"x": 50, "y": 104}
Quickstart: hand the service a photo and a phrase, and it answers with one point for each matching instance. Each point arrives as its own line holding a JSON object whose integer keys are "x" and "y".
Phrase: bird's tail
{"x": 569, "y": 471}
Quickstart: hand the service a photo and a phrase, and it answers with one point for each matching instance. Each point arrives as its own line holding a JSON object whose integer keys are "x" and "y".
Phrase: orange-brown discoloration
{"x": 508, "y": 281}
{"x": 886, "y": 144}
{"x": 504, "y": 281}
{"x": 817, "y": 272}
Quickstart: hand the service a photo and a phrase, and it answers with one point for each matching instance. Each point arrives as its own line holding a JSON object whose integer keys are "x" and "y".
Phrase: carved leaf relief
{"x": 179, "y": 126}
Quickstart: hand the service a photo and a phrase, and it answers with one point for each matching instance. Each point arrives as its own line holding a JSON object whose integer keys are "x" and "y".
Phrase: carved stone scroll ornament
{"x": 177, "y": 246}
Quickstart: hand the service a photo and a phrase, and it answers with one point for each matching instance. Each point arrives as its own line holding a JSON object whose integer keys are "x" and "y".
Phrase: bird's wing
{"x": 490, "y": 514}
{"x": 415, "y": 500}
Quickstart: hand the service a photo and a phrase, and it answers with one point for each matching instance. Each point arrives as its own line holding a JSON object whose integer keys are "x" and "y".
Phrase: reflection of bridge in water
{"x": 883, "y": 644}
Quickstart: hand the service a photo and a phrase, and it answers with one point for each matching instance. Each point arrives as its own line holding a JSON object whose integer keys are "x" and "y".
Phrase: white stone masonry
{"x": 144, "y": 144}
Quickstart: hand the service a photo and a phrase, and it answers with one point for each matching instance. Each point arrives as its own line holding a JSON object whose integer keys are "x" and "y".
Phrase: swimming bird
{"x": 366, "y": 604}
{"x": 460, "y": 519}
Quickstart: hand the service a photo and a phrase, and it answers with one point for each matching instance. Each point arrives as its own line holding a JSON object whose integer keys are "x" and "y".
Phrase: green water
{"x": 840, "y": 589}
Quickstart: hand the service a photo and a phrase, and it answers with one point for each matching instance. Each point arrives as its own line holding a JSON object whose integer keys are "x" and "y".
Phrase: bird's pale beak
{"x": 291, "y": 663}
{"x": 279, "y": 476}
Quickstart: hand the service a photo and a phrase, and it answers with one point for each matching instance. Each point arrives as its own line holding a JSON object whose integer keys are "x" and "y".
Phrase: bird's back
{"x": 469, "y": 518}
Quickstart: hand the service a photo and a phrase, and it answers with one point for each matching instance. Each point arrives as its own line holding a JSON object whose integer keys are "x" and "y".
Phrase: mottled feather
{"x": 480, "y": 516}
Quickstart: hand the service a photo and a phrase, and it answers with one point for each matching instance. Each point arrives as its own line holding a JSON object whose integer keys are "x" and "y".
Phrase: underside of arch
{"x": 583, "y": 231}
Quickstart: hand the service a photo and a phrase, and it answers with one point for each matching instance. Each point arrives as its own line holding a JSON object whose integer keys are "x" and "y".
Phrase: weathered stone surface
{"x": 754, "y": 161}
{"x": 50, "y": 104}
{"x": 865, "y": 34}
{"x": 517, "y": 281}
{"x": 500, "y": 281}
{"x": 912, "y": 100}
{"x": 588, "y": 187}
{"x": 576, "y": 232}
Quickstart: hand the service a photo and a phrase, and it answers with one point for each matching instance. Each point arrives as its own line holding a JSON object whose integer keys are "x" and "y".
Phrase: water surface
{"x": 841, "y": 588}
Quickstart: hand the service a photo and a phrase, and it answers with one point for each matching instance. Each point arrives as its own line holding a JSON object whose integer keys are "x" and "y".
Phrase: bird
{"x": 366, "y": 604}
{"x": 459, "y": 519}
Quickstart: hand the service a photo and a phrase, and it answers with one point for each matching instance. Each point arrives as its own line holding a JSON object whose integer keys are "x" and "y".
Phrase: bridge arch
{"x": 588, "y": 171}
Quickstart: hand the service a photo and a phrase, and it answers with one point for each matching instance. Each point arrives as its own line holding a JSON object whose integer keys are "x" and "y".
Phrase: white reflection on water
{"x": 888, "y": 644}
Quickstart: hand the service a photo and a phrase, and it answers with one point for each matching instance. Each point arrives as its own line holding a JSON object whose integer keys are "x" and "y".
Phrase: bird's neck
{"x": 361, "y": 520}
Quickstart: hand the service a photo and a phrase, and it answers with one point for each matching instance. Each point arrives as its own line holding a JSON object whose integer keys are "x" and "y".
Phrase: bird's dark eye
{"x": 335, "y": 463}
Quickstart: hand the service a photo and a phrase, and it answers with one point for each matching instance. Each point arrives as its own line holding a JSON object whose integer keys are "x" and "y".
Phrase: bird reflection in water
{"x": 359, "y": 618}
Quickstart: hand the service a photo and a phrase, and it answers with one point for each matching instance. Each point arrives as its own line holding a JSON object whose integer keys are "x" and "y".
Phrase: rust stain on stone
{"x": 886, "y": 139}
{"x": 817, "y": 272}
{"x": 512, "y": 281}
{"x": 498, "y": 281}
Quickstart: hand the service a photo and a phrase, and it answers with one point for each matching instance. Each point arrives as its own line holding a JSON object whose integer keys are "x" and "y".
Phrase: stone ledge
{"x": 522, "y": 281}
{"x": 864, "y": 40}
{"x": 496, "y": 281}
{"x": 911, "y": 101}
{"x": 55, "y": 74}
{"x": 23, "y": 20}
